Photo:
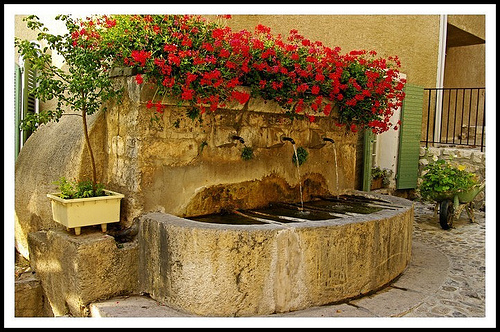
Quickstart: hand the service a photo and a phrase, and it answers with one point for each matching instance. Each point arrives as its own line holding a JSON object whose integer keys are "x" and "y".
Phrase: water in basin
{"x": 325, "y": 208}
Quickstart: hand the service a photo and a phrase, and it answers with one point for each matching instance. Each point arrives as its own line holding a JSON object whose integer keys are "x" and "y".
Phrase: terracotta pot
{"x": 376, "y": 183}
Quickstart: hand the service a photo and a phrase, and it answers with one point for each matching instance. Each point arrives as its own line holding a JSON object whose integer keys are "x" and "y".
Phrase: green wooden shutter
{"x": 17, "y": 108}
{"x": 409, "y": 139}
{"x": 29, "y": 102}
{"x": 367, "y": 159}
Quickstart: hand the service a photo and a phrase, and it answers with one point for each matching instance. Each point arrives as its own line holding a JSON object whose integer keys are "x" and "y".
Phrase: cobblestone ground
{"x": 463, "y": 292}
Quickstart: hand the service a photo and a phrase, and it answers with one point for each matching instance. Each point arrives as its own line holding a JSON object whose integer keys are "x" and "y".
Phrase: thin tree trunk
{"x": 87, "y": 141}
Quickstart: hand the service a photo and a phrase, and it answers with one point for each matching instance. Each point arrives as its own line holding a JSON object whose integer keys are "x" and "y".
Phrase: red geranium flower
{"x": 141, "y": 56}
{"x": 187, "y": 94}
{"x": 139, "y": 78}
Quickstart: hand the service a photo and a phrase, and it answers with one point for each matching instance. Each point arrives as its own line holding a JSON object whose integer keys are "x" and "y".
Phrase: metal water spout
{"x": 238, "y": 138}
{"x": 284, "y": 138}
{"x": 327, "y": 139}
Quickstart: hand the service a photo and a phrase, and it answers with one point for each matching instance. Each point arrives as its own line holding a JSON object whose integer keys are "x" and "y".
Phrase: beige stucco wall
{"x": 474, "y": 24}
{"x": 465, "y": 67}
{"x": 465, "y": 64}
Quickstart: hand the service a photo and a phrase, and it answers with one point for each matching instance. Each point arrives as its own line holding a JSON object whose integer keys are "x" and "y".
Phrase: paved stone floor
{"x": 463, "y": 292}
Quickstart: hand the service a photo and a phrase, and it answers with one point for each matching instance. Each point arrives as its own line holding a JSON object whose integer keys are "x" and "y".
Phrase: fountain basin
{"x": 214, "y": 269}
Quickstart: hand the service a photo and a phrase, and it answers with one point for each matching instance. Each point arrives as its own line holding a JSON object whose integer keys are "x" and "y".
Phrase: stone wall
{"x": 29, "y": 300}
{"x": 174, "y": 164}
{"x": 473, "y": 159}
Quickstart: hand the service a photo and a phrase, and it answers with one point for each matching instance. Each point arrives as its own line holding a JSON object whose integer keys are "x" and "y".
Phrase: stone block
{"x": 478, "y": 157}
{"x": 77, "y": 270}
{"x": 464, "y": 153}
{"x": 434, "y": 152}
{"x": 29, "y": 298}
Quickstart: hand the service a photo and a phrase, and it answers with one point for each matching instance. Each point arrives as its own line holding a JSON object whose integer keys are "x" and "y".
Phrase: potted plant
{"x": 77, "y": 205}
{"x": 380, "y": 178}
{"x": 441, "y": 180}
{"x": 81, "y": 87}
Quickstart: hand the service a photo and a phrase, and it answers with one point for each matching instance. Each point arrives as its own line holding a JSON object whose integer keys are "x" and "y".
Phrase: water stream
{"x": 327, "y": 139}
{"x": 298, "y": 175}
{"x": 336, "y": 167}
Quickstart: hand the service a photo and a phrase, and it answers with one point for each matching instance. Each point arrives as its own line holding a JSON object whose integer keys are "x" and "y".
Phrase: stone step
{"x": 133, "y": 306}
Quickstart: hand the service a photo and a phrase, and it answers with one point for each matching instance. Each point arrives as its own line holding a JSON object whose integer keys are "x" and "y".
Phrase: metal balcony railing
{"x": 455, "y": 116}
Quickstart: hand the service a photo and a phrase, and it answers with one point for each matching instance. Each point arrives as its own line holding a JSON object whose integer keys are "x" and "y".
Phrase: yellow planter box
{"x": 79, "y": 212}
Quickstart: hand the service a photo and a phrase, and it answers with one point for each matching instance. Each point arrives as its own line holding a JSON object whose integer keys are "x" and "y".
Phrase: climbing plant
{"x": 300, "y": 157}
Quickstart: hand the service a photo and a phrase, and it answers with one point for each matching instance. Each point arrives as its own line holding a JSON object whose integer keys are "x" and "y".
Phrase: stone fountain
{"x": 175, "y": 170}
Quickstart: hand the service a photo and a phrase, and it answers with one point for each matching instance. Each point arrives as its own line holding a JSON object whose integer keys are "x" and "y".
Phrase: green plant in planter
{"x": 382, "y": 173}
{"x": 441, "y": 180}
{"x": 301, "y": 157}
{"x": 78, "y": 189}
{"x": 81, "y": 86}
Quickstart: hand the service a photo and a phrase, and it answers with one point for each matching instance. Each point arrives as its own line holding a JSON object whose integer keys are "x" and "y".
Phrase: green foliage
{"x": 203, "y": 145}
{"x": 302, "y": 155}
{"x": 82, "y": 85}
{"x": 193, "y": 113}
{"x": 78, "y": 189}
{"x": 442, "y": 179}
{"x": 246, "y": 153}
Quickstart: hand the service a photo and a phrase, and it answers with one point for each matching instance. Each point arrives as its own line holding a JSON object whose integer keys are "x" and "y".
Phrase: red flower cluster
{"x": 138, "y": 57}
{"x": 203, "y": 64}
